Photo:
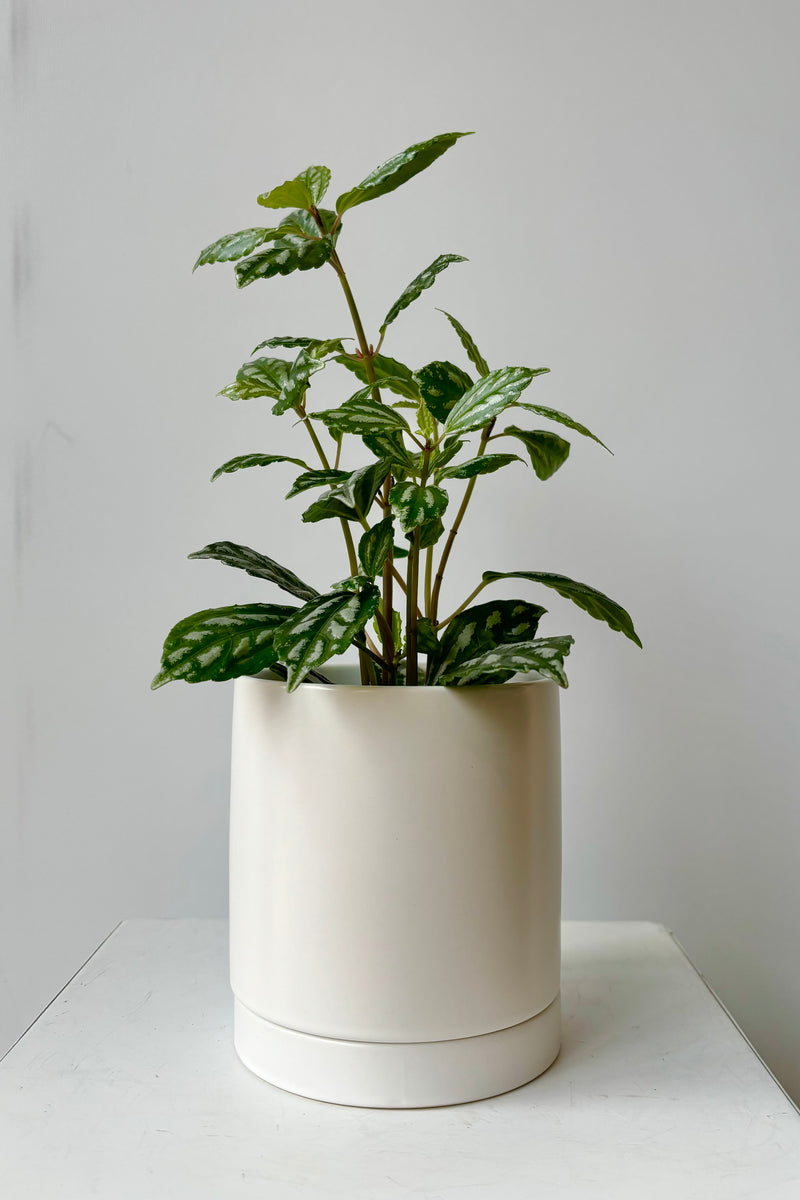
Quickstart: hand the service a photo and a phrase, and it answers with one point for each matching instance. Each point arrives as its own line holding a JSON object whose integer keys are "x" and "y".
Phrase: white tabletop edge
{"x": 730, "y": 1016}
{"x": 63, "y": 988}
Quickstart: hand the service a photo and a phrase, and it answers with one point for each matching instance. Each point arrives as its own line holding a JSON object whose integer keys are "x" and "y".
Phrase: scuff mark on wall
{"x": 23, "y": 494}
{"x": 19, "y": 49}
{"x": 19, "y": 42}
{"x": 21, "y": 264}
{"x": 52, "y": 426}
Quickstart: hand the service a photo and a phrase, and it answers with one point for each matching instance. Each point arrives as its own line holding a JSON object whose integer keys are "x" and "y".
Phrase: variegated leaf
{"x": 479, "y": 629}
{"x": 316, "y": 347}
{"x": 390, "y": 444}
{"x": 473, "y": 353}
{"x": 234, "y": 245}
{"x": 487, "y": 398}
{"x": 547, "y": 450}
{"x": 222, "y": 643}
{"x": 297, "y": 381}
{"x": 414, "y": 504}
{"x": 484, "y": 465}
{"x": 418, "y": 285}
{"x": 242, "y": 461}
{"x": 242, "y": 557}
{"x": 312, "y": 479}
{"x": 321, "y": 629}
{"x": 375, "y": 547}
{"x": 552, "y": 414}
{"x": 441, "y": 385}
{"x": 588, "y": 598}
{"x": 397, "y": 170}
{"x": 290, "y": 343}
{"x": 389, "y": 373}
{"x": 316, "y": 180}
{"x": 285, "y": 255}
{"x": 353, "y": 583}
{"x": 363, "y": 415}
{"x": 545, "y": 656}
{"x": 261, "y": 377}
{"x": 352, "y": 498}
{"x": 301, "y": 224}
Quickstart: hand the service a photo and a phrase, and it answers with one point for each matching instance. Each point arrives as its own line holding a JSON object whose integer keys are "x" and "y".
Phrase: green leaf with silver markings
{"x": 424, "y": 280}
{"x": 222, "y": 643}
{"x": 245, "y": 559}
{"x": 285, "y": 255}
{"x": 547, "y": 450}
{"x": 363, "y": 415}
{"x": 261, "y": 377}
{"x": 552, "y": 414}
{"x": 487, "y": 398}
{"x": 545, "y": 656}
{"x": 235, "y": 245}
{"x": 375, "y": 547}
{"x": 322, "y": 628}
{"x": 316, "y": 180}
{"x": 414, "y": 504}
{"x": 479, "y": 629}
{"x": 301, "y": 224}
{"x": 473, "y": 353}
{"x": 316, "y": 347}
{"x": 312, "y": 479}
{"x": 353, "y": 497}
{"x": 389, "y": 373}
{"x": 588, "y": 598}
{"x": 353, "y": 583}
{"x": 441, "y": 385}
{"x": 390, "y": 444}
{"x": 485, "y": 464}
{"x": 397, "y": 170}
{"x": 297, "y": 381}
{"x": 242, "y": 461}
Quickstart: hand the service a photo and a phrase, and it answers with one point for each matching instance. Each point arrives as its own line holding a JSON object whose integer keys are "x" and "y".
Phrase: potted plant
{"x": 395, "y": 832}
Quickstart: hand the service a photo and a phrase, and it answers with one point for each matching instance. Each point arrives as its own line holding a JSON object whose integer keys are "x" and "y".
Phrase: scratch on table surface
{"x": 138, "y": 1007}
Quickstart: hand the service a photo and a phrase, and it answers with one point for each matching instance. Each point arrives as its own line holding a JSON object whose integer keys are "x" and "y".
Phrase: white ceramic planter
{"x": 395, "y": 866}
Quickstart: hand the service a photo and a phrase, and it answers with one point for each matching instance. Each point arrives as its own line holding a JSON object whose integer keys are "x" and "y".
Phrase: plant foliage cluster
{"x": 417, "y": 431}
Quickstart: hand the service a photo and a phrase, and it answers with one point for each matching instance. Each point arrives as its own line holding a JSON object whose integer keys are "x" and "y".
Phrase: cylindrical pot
{"x": 395, "y": 877}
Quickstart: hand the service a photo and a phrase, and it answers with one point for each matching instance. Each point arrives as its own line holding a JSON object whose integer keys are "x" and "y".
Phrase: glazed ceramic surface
{"x": 395, "y": 881}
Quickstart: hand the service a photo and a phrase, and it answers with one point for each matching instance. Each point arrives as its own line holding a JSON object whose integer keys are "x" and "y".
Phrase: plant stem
{"x": 461, "y": 607}
{"x": 389, "y": 571}
{"x": 412, "y": 668}
{"x": 348, "y": 537}
{"x": 354, "y": 313}
{"x": 387, "y": 599}
{"x": 448, "y": 546}
{"x": 428, "y": 574}
{"x": 412, "y": 609}
{"x": 365, "y": 667}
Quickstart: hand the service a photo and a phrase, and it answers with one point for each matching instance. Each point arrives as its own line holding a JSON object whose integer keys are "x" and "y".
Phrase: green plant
{"x": 416, "y": 424}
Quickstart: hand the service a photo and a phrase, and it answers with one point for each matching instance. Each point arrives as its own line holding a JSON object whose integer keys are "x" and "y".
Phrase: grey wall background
{"x": 629, "y": 206}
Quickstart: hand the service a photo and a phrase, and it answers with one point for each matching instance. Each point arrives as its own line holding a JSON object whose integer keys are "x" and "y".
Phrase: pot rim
{"x": 351, "y": 682}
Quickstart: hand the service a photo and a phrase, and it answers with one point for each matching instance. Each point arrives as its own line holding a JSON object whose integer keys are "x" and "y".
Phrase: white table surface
{"x": 127, "y": 1088}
